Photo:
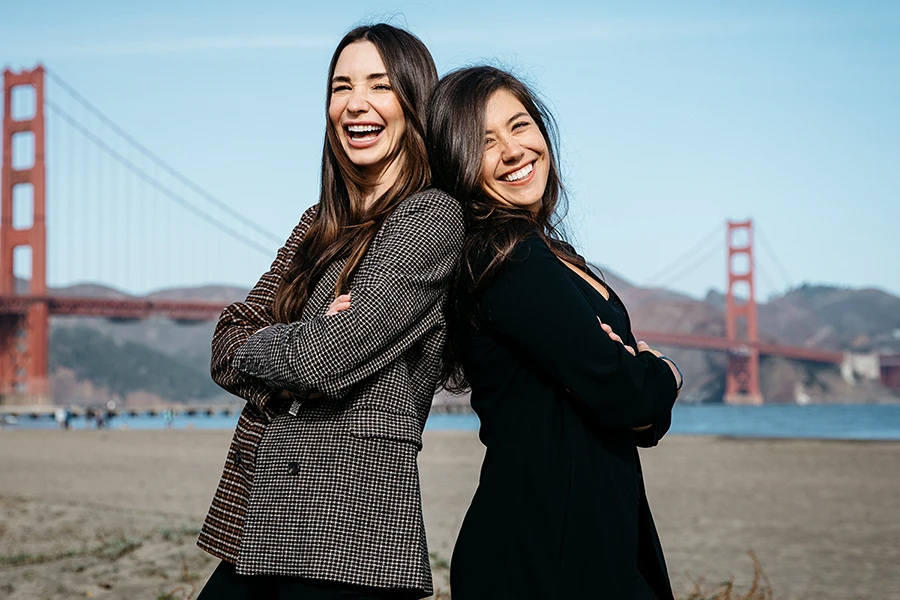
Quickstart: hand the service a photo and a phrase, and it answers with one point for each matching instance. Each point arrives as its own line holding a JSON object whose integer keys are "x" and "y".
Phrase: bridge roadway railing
{"x": 455, "y": 405}
{"x": 49, "y": 410}
{"x": 115, "y": 308}
{"x": 704, "y": 342}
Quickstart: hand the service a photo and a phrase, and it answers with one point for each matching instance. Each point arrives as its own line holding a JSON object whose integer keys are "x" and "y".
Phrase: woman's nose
{"x": 357, "y": 102}
{"x": 512, "y": 150}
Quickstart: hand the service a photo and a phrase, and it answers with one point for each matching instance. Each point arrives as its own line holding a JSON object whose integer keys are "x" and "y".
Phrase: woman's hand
{"x": 340, "y": 303}
{"x": 641, "y": 346}
{"x": 678, "y": 381}
{"x": 615, "y": 337}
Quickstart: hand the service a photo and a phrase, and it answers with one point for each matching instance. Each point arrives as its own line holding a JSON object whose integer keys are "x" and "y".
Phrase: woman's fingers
{"x": 340, "y": 303}
{"x": 642, "y": 346}
{"x": 614, "y": 336}
{"x": 337, "y": 307}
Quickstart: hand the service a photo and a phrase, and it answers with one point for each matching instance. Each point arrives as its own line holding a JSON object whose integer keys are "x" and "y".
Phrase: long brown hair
{"x": 343, "y": 226}
{"x": 456, "y": 125}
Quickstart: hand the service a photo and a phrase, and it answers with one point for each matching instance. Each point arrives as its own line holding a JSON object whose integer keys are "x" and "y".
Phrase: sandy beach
{"x": 115, "y": 514}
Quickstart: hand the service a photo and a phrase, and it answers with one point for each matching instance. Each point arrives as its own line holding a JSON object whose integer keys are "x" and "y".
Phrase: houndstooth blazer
{"x": 328, "y": 488}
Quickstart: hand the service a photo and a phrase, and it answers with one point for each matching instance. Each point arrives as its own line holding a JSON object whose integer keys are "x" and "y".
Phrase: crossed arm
{"x": 618, "y": 389}
{"x": 398, "y": 291}
{"x": 240, "y": 320}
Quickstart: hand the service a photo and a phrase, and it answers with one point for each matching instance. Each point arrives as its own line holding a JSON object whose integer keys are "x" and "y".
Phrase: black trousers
{"x": 225, "y": 584}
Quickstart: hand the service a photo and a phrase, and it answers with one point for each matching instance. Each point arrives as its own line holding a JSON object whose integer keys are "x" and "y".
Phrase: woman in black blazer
{"x": 560, "y": 510}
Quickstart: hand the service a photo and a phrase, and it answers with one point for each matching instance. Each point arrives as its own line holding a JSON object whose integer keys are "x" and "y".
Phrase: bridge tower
{"x": 23, "y": 332}
{"x": 742, "y": 378}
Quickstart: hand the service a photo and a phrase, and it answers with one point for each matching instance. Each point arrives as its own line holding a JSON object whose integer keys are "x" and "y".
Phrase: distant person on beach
{"x": 337, "y": 351}
{"x": 560, "y": 511}
{"x": 63, "y": 418}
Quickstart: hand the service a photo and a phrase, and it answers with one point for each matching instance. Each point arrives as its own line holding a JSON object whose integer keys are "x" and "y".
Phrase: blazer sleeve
{"x": 534, "y": 304}
{"x": 241, "y": 319}
{"x": 396, "y": 296}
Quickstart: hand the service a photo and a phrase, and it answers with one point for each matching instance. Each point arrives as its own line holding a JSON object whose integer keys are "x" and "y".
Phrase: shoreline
{"x": 114, "y": 514}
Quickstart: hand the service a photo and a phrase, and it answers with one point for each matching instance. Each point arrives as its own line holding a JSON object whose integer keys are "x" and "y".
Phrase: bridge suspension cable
{"x": 765, "y": 277}
{"x": 675, "y": 268}
{"x": 680, "y": 266}
{"x": 154, "y": 158}
{"x": 788, "y": 280}
{"x": 147, "y": 178}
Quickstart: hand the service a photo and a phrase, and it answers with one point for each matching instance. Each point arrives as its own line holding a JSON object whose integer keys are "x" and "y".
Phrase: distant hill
{"x": 122, "y": 368}
{"x": 156, "y": 359}
{"x": 173, "y": 361}
{"x": 90, "y": 290}
{"x": 209, "y": 293}
{"x": 834, "y": 318}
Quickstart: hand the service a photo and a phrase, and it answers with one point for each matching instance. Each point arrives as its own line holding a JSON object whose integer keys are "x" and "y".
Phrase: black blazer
{"x": 560, "y": 510}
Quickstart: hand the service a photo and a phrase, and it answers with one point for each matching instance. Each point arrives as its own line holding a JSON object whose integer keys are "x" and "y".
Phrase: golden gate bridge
{"x": 25, "y": 313}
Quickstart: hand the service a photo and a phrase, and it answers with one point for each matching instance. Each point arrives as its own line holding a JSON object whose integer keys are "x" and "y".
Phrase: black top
{"x": 560, "y": 510}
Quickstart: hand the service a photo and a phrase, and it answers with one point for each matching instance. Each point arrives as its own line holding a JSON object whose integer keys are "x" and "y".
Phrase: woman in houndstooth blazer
{"x": 337, "y": 350}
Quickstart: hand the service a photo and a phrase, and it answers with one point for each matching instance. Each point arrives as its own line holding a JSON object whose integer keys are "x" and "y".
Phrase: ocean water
{"x": 832, "y": 421}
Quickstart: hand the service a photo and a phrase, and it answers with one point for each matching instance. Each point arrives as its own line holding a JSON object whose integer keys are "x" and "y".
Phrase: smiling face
{"x": 365, "y": 113}
{"x": 516, "y": 161}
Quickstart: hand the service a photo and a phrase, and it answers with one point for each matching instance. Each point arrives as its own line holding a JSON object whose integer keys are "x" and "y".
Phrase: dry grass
{"x": 760, "y": 588}
{"x": 183, "y": 592}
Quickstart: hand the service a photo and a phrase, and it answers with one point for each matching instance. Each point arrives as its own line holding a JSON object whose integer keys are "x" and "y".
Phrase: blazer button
{"x": 237, "y": 456}
{"x": 293, "y": 468}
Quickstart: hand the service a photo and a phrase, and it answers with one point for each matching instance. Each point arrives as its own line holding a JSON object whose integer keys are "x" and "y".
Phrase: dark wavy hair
{"x": 456, "y": 131}
{"x": 343, "y": 227}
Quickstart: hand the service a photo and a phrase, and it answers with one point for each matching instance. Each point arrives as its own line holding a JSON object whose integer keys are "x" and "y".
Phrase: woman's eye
{"x": 340, "y": 88}
{"x": 520, "y": 125}
{"x": 488, "y": 141}
{"x": 384, "y": 87}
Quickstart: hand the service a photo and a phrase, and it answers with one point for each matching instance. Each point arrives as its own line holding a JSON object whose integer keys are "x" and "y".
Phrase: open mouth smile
{"x": 362, "y": 135}
{"x": 520, "y": 176}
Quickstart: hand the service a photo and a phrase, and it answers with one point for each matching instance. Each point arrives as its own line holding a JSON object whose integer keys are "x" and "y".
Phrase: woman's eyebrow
{"x": 516, "y": 116}
{"x": 346, "y": 79}
{"x": 511, "y": 119}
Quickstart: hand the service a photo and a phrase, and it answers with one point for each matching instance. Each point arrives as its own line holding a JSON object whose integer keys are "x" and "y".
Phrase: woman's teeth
{"x": 363, "y": 131}
{"x": 520, "y": 174}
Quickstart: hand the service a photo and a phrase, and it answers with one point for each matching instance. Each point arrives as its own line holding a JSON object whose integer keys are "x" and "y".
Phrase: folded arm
{"x": 650, "y": 436}
{"x": 242, "y": 319}
{"x": 535, "y": 304}
{"x": 397, "y": 296}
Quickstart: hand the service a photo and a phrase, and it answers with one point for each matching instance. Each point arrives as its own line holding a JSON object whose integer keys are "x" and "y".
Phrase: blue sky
{"x": 674, "y": 117}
